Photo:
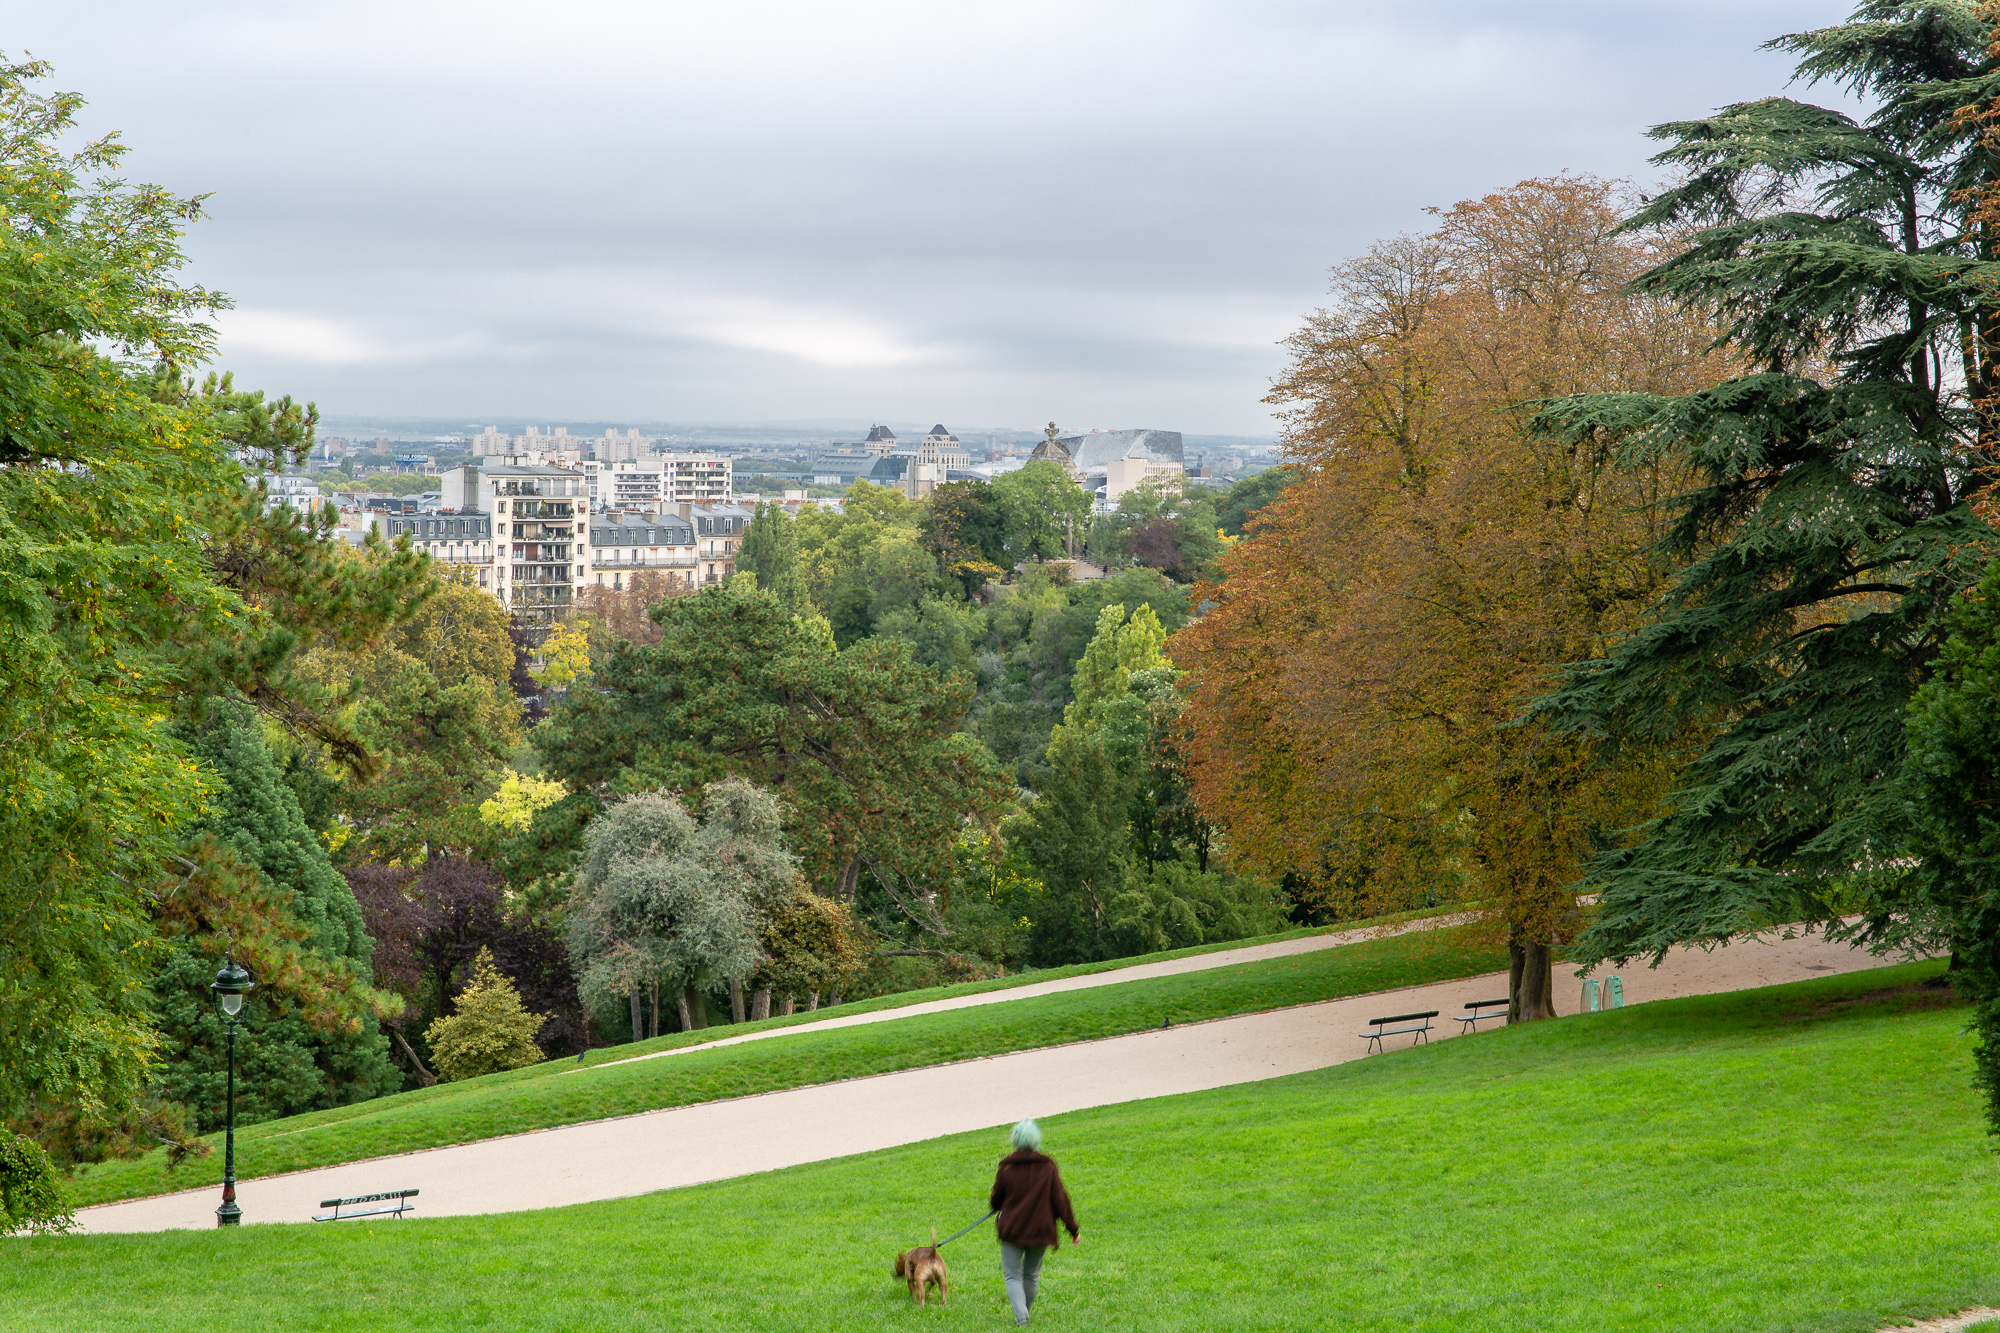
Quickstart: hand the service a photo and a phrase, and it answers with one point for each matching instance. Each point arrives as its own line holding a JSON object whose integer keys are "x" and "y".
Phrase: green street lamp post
{"x": 231, "y": 984}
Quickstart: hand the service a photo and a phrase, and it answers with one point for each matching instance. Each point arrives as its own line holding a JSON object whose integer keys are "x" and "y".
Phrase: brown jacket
{"x": 1029, "y": 1193}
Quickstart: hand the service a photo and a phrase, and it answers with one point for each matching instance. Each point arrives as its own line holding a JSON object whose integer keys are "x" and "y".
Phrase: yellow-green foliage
{"x": 491, "y": 1030}
{"x": 565, "y": 657}
{"x": 1119, "y": 648}
{"x": 514, "y": 805}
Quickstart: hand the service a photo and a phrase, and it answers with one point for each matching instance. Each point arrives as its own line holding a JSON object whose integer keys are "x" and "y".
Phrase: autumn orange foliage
{"x": 622, "y": 613}
{"x": 1357, "y": 683}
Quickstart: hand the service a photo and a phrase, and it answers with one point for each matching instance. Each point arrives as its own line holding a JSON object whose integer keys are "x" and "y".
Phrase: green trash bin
{"x": 1614, "y": 992}
{"x": 1590, "y": 997}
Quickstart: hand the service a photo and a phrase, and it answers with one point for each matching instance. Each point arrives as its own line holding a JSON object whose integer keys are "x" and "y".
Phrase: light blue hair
{"x": 1027, "y": 1135}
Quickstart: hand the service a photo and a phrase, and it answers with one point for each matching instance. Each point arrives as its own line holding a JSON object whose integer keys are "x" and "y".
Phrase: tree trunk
{"x": 850, "y": 879}
{"x": 1530, "y": 981}
{"x": 735, "y": 1000}
{"x": 812, "y": 1001}
{"x": 698, "y": 1002}
{"x": 687, "y": 1010}
{"x": 760, "y": 1004}
{"x": 654, "y": 1031}
{"x": 833, "y": 1000}
{"x": 638, "y": 1017}
{"x": 785, "y": 1007}
{"x": 425, "y": 1078}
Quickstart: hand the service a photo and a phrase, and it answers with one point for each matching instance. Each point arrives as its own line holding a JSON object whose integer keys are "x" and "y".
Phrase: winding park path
{"x": 655, "y": 1150}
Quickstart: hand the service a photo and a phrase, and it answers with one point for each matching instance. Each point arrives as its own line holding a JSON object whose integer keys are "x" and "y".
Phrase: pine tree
{"x": 142, "y": 577}
{"x": 1830, "y": 531}
{"x": 294, "y": 1057}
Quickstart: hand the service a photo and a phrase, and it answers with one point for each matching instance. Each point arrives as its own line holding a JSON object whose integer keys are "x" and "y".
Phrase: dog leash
{"x": 956, "y": 1234}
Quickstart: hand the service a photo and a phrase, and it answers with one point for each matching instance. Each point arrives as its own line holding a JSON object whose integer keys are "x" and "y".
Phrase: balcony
{"x": 645, "y": 562}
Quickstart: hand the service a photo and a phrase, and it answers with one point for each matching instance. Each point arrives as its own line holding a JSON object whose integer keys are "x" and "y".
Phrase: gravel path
{"x": 655, "y": 1150}
{"x": 1175, "y": 967}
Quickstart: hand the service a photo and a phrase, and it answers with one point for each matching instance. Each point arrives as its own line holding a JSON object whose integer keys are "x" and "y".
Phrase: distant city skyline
{"x": 418, "y": 429}
{"x": 1109, "y": 212}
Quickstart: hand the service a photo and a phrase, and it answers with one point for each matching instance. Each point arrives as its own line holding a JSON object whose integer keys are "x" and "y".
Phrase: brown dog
{"x": 921, "y": 1267}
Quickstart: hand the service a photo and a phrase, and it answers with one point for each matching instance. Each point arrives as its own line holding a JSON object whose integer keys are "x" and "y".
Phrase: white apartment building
{"x": 300, "y": 493}
{"x": 696, "y": 543}
{"x": 615, "y": 447}
{"x": 718, "y": 531}
{"x": 622, "y": 544}
{"x": 492, "y": 442}
{"x": 660, "y": 479}
{"x": 540, "y": 545}
{"x": 453, "y": 539}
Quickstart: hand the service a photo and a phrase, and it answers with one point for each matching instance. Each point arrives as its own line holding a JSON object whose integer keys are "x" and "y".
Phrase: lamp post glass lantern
{"x": 231, "y": 984}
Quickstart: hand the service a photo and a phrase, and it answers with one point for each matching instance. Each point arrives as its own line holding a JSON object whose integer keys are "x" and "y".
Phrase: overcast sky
{"x": 982, "y": 213}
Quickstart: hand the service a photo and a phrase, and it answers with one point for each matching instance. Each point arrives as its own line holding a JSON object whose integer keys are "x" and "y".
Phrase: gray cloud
{"x": 1106, "y": 213}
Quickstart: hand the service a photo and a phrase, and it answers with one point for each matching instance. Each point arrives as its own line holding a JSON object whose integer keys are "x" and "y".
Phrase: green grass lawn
{"x": 1806, "y": 1157}
{"x": 546, "y": 1095}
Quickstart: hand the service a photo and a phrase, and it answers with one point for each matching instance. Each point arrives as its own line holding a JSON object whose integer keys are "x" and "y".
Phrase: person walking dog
{"x": 1028, "y": 1194}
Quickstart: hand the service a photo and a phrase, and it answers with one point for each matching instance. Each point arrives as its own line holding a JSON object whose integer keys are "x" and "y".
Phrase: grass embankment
{"x": 1805, "y": 1157}
{"x": 546, "y": 1095}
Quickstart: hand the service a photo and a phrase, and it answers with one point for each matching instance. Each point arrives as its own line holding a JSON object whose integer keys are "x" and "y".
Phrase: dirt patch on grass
{"x": 1951, "y": 1323}
{"x": 1916, "y": 998}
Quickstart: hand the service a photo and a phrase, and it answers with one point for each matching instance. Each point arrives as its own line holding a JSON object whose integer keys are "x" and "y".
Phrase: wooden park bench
{"x": 1469, "y": 1022}
{"x": 398, "y": 1201}
{"x": 1419, "y": 1024}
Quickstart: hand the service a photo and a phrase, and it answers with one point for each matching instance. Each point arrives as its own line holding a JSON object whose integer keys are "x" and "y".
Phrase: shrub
{"x": 1175, "y": 906}
{"x": 490, "y": 1032}
{"x": 30, "y": 1197}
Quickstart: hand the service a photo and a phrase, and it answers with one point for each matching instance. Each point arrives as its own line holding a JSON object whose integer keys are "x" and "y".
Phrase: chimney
{"x": 686, "y": 508}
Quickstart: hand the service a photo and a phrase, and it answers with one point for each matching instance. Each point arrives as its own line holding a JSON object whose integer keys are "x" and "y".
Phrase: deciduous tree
{"x": 1045, "y": 510}
{"x": 139, "y": 578}
{"x": 1356, "y": 686}
{"x": 861, "y": 746}
{"x": 666, "y": 901}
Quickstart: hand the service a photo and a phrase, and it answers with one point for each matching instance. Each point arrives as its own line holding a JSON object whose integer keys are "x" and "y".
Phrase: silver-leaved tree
{"x": 668, "y": 902}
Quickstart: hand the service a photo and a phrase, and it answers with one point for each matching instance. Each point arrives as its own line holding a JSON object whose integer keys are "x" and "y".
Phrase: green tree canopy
{"x": 770, "y": 550}
{"x": 1043, "y": 509}
{"x": 862, "y": 746}
{"x": 1820, "y": 555}
{"x": 139, "y": 578}
{"x": 1237, "y": 506}
{"x": 1119, "y": 648}
{"x": 1951, "y": 788}
{"x": 489, "y": 1031}
{"x": 965, "y": 530}
{"x": 863, "y": 561}
{"x": 318, "y": 1043}
{"x": 664, "y": 899}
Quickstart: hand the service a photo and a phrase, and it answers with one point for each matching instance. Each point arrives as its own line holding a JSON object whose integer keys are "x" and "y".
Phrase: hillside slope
{"x": 1805, "y": 1157}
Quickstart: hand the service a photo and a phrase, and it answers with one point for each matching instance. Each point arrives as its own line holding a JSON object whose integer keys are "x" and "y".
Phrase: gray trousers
{"x": 1021, "y": 1265}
